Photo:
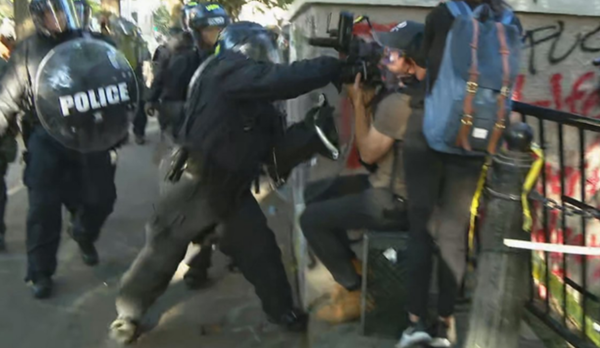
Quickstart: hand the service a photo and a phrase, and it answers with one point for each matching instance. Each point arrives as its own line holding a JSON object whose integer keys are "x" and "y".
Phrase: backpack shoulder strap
{"x": 499, "y": 126}
{"x": 507, "y": 17}
{"x": 458, "y": 8}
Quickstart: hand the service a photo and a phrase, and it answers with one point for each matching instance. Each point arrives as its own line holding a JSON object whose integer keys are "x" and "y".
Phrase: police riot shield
{"x": 85, "y": 94}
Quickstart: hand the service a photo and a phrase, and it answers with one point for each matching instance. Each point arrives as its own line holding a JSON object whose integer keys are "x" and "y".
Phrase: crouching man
{"x": 374, "y": 201}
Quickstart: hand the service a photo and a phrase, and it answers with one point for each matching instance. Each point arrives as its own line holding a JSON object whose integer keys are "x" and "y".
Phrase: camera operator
{"x": 372, "y": 201}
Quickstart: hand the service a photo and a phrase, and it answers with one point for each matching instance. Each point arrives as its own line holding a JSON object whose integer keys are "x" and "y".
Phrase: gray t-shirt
{"x": 391, "y": 117}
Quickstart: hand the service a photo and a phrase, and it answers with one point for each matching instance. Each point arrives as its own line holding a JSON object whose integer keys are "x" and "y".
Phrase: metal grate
{"x": 384, "y": 284}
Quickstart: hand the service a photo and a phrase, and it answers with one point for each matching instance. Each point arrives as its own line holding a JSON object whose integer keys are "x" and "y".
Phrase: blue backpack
{"x": 468, "y": 107}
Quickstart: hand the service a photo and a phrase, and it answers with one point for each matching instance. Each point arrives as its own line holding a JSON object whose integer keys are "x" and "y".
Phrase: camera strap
{"x": 394, "y": 169}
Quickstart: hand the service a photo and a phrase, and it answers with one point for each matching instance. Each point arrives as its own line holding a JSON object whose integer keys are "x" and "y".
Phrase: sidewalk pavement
{"x": 225, "y": 315}
{"x": 322, "y": 335}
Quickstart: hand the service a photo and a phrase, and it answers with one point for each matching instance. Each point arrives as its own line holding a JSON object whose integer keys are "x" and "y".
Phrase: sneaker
{"x": 415, "y": 334}
{"x": 124, "y": 331}
{"x": 321, "y": 118}
{"x": 326, "y": 129}
{"x": 42, "y": 288}
{"x": 444, "y": 335}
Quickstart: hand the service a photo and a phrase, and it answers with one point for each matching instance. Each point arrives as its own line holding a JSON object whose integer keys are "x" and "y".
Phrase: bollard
{"x": 502, "y": 274}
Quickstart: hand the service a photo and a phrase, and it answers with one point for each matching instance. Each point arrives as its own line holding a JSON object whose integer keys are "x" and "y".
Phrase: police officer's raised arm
{"x": 268, "y": 81}
{"x": 13, "y": 86}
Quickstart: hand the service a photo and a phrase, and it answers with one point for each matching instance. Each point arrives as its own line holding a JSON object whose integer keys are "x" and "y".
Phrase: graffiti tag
{"x": 554, "y": 34}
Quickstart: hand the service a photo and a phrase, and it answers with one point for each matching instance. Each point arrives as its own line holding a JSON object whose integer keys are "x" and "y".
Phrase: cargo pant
{"x": 182, "y": 212}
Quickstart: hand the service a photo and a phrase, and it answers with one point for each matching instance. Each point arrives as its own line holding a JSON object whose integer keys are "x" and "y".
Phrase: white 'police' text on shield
{"x": 94, "y": 99}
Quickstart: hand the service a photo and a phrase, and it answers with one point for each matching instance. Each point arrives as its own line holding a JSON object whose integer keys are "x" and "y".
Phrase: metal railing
{"x": 561, "y": 295}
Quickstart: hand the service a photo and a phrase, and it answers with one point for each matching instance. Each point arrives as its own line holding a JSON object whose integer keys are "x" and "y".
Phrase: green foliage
{"x": 162, "y": 19}
{"x": 233, "y": 7}
{"x": 96, "y": 7}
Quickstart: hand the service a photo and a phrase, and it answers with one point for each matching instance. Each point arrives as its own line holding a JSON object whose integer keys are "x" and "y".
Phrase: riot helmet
{"x": 250, "y": 39}
{"x": 54, "y": 17}
{"x": 185, "y": 15}
{"x": 206, "y": 21}
{"x": 84, "y": 12}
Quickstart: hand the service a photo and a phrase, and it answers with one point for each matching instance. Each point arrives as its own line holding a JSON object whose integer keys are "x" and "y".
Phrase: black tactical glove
{"x": 150, "y": 108}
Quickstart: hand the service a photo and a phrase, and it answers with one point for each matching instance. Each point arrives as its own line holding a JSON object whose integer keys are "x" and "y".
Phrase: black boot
{"x": 88, "y": 253}
{"x": 42, "y": 288}
{"x": 294, "y": 320}
{"x": 321, "y": 118}
{"x": 140, "y": 139}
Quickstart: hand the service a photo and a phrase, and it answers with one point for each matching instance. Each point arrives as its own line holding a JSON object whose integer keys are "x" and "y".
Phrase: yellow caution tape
{"x": 358, "y": 19}
{"x": 530, "y": 181}
{"x": 475, "y": 203}
{"x": 528, "y": 185}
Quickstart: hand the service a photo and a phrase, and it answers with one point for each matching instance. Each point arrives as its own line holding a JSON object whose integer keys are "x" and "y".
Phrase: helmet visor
{"x": 57, "y": 16}
{"x": 260, "y": 48}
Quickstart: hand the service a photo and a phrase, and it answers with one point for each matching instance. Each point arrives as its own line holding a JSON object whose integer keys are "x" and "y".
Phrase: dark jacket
{"x": 231, "y": 121}
{"x": 178, "y": 61}
{"x": 16, "y": 91}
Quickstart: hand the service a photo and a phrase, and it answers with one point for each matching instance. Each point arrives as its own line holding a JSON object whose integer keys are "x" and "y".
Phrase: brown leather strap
{"x": 462, "y": 140}
{"x": 504, "y": 92}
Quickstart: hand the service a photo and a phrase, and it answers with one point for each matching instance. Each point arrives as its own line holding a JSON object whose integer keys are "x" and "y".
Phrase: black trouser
{"x": 3, "y": 196}
{"x": 56, "y": 176}
{"x": 444, "y": 184}
{"x": 140, "y": 119}
{"x": 349, "y": 203}
{"x": 182, "y": 211}
{"x": 170, "y": 117}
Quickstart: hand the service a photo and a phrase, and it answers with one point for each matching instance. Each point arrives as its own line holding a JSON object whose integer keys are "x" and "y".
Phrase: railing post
{"x": 502, "y": 274}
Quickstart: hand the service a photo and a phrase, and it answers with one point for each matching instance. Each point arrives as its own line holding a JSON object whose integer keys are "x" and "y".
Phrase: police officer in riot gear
{"x": 8, "y": 142}
{"x": 67, "y": 160}
{"x": 230, "y": 130}
{"x": 201, "y": 23}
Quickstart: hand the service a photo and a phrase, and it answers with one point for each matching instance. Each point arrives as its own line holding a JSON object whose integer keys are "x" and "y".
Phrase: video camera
{"x": 363, "y": 57}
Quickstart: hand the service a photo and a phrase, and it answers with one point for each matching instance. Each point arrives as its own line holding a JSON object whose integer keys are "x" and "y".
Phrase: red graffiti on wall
{"x": 580, "y": 100}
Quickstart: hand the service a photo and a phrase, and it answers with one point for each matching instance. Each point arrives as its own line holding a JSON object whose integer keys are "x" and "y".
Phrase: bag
{"x": 467, "y": 109}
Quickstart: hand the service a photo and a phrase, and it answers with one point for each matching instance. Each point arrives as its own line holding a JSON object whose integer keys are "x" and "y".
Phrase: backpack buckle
{"x": 505, "y": 91}
{"x": 467, "y": 120}
{"x": 472, "y": 87}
